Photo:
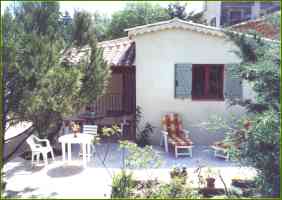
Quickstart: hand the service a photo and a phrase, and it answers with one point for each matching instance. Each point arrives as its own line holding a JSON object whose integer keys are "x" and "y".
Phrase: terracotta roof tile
{"x": 118, "y": 52}
{"x": 261, "y": 26}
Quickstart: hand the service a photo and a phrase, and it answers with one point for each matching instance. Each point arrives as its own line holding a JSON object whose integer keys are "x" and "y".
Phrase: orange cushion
{"x": 179, "y": 141}
{"x": 172, "y": 124}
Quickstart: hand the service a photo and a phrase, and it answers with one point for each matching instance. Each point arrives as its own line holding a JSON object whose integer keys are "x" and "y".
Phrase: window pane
{"x": 215, "y": 82}
{"x": 198, "y": 81}
{"x": 235, "y": 16}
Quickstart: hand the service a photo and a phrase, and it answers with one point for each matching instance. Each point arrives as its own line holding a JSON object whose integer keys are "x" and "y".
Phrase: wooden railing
{"x": 107, "y": 103}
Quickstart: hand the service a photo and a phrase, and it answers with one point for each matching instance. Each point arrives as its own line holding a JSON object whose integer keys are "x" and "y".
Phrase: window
{"x": 207, "y": 82}
{"x": 235, "y": 16}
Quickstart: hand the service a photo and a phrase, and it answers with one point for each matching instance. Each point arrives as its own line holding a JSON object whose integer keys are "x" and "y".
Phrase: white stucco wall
{"x": 156, "y": 54}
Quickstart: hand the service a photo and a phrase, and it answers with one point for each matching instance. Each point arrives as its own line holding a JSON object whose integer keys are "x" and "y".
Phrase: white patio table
{"x": 84, "y": 139}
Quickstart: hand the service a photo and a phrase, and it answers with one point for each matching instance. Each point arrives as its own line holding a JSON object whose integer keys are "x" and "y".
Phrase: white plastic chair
{"x": 37, "y": 148}
{"x": 92, "y": 130}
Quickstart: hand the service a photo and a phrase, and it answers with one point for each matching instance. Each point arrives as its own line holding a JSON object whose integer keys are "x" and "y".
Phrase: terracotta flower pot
{"x": 210, "y": 182}
{"x": 247, "y": 124}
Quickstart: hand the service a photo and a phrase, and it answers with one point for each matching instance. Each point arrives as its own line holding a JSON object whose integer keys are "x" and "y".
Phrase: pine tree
{"x": 42, "y": 90}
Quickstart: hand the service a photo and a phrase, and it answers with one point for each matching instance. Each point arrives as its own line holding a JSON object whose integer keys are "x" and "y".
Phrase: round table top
{"x": 81, "y": 138}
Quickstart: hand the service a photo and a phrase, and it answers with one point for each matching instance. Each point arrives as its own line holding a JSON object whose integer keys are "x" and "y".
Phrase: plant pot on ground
{"x": 179, "y": 173}
{"x": 210, "y": 182}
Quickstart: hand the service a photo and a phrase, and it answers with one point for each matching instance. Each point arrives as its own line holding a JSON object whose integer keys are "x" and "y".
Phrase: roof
{"x": 175, "y": 23}
{"x": 261, "y": 26}
{"x": 118, "y": 52}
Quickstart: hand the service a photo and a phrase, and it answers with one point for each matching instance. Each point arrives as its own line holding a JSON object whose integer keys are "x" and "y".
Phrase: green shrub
{"x": 175, "y": 189}
{"x": 144, "y": 134}
{"x": 261, "y": 150}
{"x": 140, "y": 157}
{"x": 122, "y": 185}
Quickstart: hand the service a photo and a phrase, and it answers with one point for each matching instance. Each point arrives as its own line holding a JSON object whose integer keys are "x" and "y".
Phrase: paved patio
{"x": 61, "y": 180}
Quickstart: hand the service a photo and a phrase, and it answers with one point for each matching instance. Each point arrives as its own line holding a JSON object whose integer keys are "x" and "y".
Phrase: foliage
{"x": 261, "y": 150}
{"x": 138, "y": 118}
{"x": 33, "y": 57}
{"x": 174, "y": 189}
{"x": 140, "y": 157}
{"x": 96, "y": 72}
{"x": 179, "y": 173}
{"x": 122, "y": 185}
{"x": 135, "y": 14}
{"x": 261, "y": 68}
{"x": 102, "y": 25}
{"x": 143, "y": 135}
{"x": 109, "y": 131}
{"x": 257, "y": 143}
{"x": 66, "y": 23}
{"x": 258, "y": 132}
{"x": 177, "y": 10}
{"x": 38, "y": 88}
{"x": 83, "y": 28}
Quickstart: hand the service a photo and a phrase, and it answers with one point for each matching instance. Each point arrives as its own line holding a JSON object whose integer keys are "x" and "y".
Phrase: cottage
{"x": 173, "y": 66}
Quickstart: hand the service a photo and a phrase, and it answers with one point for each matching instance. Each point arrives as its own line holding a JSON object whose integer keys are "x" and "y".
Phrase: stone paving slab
{"x": 72, "y": 180}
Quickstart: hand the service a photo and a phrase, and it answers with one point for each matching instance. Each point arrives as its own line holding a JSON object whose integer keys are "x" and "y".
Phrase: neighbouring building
{"x": 224, "y": 13}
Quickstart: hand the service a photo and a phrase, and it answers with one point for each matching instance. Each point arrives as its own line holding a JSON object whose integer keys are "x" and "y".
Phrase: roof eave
{"x": 174, "y": 23}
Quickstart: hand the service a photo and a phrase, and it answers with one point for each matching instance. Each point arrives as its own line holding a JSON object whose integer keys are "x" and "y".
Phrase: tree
{"x": 83, "y": 28}
{"x": 135, "y": 14}
{"x": 259, "y": 130}
{"x": 95, "y": 71}
{"x": 66, "y": 27}
{"x": 38, "y": 87}
{"x": 178, "y": 10}
{"x": 260, "y": 67}
{"x": 102, "y": 25}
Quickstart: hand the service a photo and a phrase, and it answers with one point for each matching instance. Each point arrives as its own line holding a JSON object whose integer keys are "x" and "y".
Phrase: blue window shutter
{"x": 183, "y": 80}
{"x": 232, "y": 82}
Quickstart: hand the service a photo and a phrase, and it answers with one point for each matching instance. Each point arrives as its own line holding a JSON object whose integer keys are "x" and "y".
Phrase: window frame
{"x": 241, "y": 10}
{"x": 206, "y": 83}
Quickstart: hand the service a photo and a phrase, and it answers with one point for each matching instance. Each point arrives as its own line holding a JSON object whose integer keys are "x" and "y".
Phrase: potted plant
{"x": 210, "y": 178}
{"x": 179, "y": 173}
{"x": 75, "y": 128}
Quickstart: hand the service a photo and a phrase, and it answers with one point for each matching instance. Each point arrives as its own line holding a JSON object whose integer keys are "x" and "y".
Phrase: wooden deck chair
{"x": 175, "y": 137}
